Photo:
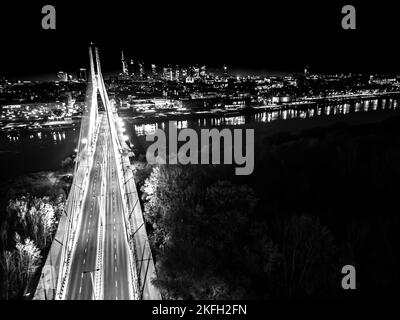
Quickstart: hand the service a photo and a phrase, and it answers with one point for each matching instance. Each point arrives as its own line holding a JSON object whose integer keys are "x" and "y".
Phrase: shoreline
{"x": 160, "y": 116}
{"x": 248, "y": 111}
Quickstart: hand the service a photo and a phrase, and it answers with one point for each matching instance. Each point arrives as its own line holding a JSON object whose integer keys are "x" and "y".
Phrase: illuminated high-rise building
{"x": 225, "y": 70}
{"x": 196, "y": 72}
{"x": 203, "y": 72}
{"x": 154, "y": 71}
{"x": 177, "y": 73}
{"x": 132, "y": 69}
{"x": 82, "y": 74}
{"x": 167, "y": 73}
{"x": 141, "y": 70}
{"x": 184, "y": 74}
{"x": 124, "y": 64}
{"x": 3, "y": 83}
{"x": 62, "y": 76}
{"x": 306, "y": 71}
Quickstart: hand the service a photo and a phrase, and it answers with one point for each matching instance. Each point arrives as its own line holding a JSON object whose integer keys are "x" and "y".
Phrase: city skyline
{"x": 132, "y": 67}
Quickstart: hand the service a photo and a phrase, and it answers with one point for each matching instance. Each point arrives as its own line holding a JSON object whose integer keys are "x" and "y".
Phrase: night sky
{"x": 247, "y": 35}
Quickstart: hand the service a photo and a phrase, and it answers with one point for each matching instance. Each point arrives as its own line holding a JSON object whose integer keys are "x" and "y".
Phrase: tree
{"x": 29, "y": 260}
{"x": 67, "y": 163}
{"x": 17, "y": 268}
{"x": 32, "y": 221}
{"x": 164, "y": 196}
{"x": 9, "y": 275}
{"x": 47, "y": 220}
{"x": 201, "y": 232}
{"x": 307, "y": 252}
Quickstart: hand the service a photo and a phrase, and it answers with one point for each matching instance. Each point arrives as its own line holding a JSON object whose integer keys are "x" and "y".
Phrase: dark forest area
{"x": 316, "y": 201}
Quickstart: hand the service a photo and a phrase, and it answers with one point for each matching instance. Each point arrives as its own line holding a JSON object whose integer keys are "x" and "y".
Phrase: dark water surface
{"x": 26, "y": 152}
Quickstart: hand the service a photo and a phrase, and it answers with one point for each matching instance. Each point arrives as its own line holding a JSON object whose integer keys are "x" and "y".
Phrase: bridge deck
{"x": 116, "y": 249}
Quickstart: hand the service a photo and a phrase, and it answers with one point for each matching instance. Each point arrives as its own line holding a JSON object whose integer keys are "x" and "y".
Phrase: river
{"x": 26, "y": 152}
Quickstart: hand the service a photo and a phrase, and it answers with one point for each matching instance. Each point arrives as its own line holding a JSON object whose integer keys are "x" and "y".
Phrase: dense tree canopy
{"x": 316, "y": 201}
{"x": 27, "y": 227}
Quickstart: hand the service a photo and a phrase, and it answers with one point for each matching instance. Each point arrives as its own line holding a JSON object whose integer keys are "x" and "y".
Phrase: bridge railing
{"x": 138, "y": 239}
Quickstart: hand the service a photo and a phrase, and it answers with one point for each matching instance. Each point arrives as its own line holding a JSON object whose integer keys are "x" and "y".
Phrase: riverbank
{"x": 301, "y": 105}
{"x": 29, "y": 126}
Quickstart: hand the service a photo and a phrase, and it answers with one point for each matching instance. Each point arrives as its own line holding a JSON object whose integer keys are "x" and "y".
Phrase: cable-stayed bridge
{"x": 101, "y": 248}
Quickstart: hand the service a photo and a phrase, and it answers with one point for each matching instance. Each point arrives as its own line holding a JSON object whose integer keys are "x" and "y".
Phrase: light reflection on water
{"x": 181, "y": 124}
{"x": 147, "y": 129}
{"x": 43, "y": 150}
{"x": 56, "y": 137}
{"x": 366, "y": 105}
{"x": 235, "y": 121}
{"x": 274, "y": 115}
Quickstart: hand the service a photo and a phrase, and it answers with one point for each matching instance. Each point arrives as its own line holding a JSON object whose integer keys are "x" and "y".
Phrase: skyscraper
{"x": 167, "y": 73}
{"x": 154, "y": 71}
{"x": 141, "y": 70}
{"x": 82, "y": 74}
{"x": 203, "y": 72}
{"x": 132, "y": 69}
{"x": 62, "y": 76}
{"x": 225, "y": 70}
{"x": 196, "y": 72}
{"x": 3, "y": 83}
{"x": 124, "y": 64}
{"x": 177, "y": 73}
{"x": 306, "y": 70}
{"x": 184, "y": 74}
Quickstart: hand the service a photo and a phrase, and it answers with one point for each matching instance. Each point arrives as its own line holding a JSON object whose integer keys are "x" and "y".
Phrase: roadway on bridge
{"x": 116, "y": 270}
{"x": 115, "y": 266}
{"x": 85, "y": 252}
